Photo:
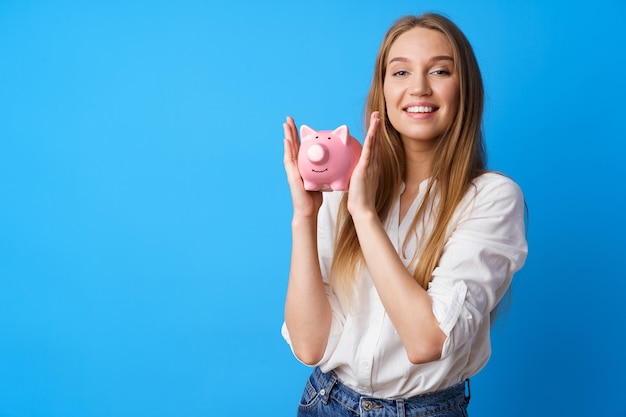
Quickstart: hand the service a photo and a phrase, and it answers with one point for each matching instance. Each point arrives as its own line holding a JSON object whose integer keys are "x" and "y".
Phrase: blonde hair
{"x": 459, "y": 156}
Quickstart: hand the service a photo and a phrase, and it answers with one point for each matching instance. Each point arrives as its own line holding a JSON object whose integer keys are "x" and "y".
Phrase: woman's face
{"x": 421, "y": 87}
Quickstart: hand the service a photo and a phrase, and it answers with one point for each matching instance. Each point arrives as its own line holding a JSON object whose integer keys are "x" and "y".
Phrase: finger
{"x": 289, "y": 136}
{"x": 291, "y": 165}
{"x": 288, "y": 157}
{"x": 370, "y": 137}
{"x": 294, "y": 130}
{"x": 365, "y": 151}
{"x": 373, "y": 127}
{"x": 295, "y": 137}
{"x": 287, "y": 131}
{"x": 371, "y": 134}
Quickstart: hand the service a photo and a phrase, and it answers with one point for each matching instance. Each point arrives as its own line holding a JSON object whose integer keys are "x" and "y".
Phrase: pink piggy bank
{"x": 326, "y": 158}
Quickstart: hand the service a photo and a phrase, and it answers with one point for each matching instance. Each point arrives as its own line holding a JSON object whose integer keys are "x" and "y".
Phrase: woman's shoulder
{"x": 492, "y": 182}
{"x": 493, "y": 192}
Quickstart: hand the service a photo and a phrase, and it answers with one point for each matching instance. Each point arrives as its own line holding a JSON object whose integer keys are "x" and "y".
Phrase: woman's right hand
{"x": 305, "y": 203}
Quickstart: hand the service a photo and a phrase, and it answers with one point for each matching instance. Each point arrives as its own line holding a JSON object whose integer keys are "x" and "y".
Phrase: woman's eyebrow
{"x": 433, "y": 59}
{"x": 398, "y": 59}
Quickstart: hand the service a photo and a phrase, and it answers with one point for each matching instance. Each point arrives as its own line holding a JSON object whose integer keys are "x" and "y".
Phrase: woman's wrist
{"x": 364, "y": 217}
{"x": 298, "y": 221}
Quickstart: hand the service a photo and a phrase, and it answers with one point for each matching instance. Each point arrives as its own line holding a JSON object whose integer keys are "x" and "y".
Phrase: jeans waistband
{"x": 328, "y": 383}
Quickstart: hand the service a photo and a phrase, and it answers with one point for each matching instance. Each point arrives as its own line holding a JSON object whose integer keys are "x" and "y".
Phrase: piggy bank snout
{"x": 317, "y": 154}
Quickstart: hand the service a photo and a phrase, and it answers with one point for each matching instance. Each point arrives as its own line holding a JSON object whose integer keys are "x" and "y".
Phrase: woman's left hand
{"x": 364, "y": 180}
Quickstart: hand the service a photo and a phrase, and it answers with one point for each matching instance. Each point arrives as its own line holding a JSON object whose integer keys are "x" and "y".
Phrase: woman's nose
{"x": 420, "y": 87}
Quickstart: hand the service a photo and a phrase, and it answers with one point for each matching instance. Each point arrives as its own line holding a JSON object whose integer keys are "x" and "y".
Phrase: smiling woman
{"x": 392, "y": 284}
{"x": 142, "y": 239}
{"x": 421, "y": 87}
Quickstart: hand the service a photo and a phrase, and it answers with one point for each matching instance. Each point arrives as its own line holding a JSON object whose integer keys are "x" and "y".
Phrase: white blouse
{"x": 487, "y": 245}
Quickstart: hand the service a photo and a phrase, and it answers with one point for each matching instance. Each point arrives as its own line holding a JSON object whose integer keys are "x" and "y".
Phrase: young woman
{"x": 392, "y": 285}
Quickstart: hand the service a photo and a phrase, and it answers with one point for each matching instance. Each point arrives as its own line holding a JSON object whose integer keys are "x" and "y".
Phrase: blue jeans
{"x": 325, "y": 395}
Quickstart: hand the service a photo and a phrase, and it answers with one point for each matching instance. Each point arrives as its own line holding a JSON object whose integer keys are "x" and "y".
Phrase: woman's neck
{"x": 418, "y": 166}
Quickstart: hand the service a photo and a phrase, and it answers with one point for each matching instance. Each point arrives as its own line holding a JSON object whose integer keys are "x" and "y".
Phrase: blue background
{"x": 145, "y": 218}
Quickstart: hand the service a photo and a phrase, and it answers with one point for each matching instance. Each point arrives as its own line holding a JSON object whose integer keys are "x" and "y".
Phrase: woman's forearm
{"x": 409, "y": 306}
{"x": 307, "y": 309}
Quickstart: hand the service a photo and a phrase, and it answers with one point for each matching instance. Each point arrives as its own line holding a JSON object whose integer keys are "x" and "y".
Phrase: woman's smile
{"x": 420, "y": 110}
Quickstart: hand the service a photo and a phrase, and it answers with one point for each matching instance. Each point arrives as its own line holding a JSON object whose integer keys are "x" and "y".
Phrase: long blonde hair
{"x": 459, "y": 156}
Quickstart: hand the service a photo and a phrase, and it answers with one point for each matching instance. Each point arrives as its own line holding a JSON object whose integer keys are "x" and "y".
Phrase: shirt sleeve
{"x": 486, "y": 247}
{"x": 325, "y": 241}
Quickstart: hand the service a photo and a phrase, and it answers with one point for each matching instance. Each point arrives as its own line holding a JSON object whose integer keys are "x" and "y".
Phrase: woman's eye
{"x": 441, "y": 72}
{"x": 400, "y": 73}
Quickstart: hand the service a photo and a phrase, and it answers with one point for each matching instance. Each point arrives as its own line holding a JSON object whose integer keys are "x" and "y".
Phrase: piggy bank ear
{"x": 342, "y": 132}
{"x": 305, "y": 132}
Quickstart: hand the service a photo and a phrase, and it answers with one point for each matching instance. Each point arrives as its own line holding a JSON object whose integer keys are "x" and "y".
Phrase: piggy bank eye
{"x": 329, "y": 138}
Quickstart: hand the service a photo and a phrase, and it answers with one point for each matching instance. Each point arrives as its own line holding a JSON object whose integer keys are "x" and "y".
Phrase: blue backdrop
{"x": 145, "y": 218}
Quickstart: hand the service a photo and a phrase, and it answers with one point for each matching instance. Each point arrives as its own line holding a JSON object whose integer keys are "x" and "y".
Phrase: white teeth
{"x": 420, "y": 109}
